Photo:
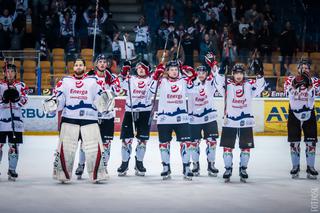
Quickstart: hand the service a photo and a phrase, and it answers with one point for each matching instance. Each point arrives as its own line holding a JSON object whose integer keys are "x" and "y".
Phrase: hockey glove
{"x": 11, "y": 95}
{"x": 126, "y": 68}
{"x": 211, "y": 59}
{"x": 158, "y": 73}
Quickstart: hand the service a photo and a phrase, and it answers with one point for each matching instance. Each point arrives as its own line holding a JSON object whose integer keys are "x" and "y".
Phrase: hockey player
{"x": 137, "y": 110}
{"x": 203, "y": 115}
{"x": 13, "y": 97}
{"x": 172, "y": 113}
{"x": 106, "y": 119}
{"x": 238, "y": 118}
{"x": 79, "y": 98}
{"x": 301, "y": 90}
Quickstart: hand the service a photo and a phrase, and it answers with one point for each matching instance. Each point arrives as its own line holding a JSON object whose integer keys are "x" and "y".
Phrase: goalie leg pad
{"x": 65, "y": 154}
{"x": 93, "y": 147}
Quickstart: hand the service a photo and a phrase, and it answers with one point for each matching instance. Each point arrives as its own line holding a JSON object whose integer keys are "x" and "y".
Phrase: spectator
{"x": 288, "y": 45}
{"x": 89, "y": 16}
{"x": 127, "y": 52}
{"x": 142, "y": 38}
{"x": 29, "y": 34}
{"x": 71, "y": 49}
{"x": 44, "y": 52}
{"x": 265, "y": 39}
{"x": 168, "y": 13}
{"x": 6, "y": 20}
{"x": 2, "y": 38}
{"x": 245, "y": 44}
{"x": 162, "y": 35}
{"x": 188, "y": 47}
{"x": 243, "y": 24}
{"x": 229, "y": 54}
{"x": 16, "y": 39}
{"x": 67, "y": 20}
{"x": 116, "y": 47}
{"x": 205, "y": 47}
{"x": 176, "y": 52}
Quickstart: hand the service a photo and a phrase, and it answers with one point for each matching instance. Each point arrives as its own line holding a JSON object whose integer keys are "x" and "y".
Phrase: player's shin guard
{"x": 141, "y": 150}
{"x": 165, "y": 152}
{"x": 13, "y": 156}
{"x": 244, "y": 157}
{"x": 310, "y": 153}
{"x": 93, "y": 147}
{"x": 295, "y": 153}
{"x": 185, "y": 151}
{"x": 65, "y": 153}
{"x": 211, "y": 149}
{"x": 227, "y": 157}
{"x": 195, "y": 151}
{"x": 126, "y": 149}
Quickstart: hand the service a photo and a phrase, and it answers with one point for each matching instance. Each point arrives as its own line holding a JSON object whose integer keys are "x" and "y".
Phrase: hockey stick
{"x": 95, "y": 29}
{"x": 129, "y": 85}
{"x": 225, "y": 93}
{"x": 10, "y": 106}
{"x": 157, "y": 86}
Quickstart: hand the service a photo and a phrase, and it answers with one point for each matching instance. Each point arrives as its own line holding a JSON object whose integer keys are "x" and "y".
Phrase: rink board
{"x": 270, "y": 115}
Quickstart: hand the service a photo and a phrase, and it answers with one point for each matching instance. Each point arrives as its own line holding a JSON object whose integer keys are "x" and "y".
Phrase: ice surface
{"x": 269, "y": 188}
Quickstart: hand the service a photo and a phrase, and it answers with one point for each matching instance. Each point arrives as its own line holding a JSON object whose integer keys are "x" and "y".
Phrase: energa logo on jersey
{"x": 79, "y": 84}
{"x": 239, "y": 93}
{"x": 141, "y": 84}
{"x": 202, "y": 92}
{"x": 174, "y": 88}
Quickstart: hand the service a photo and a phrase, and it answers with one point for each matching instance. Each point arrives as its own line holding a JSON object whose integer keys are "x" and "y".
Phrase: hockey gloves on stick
{"x": 11, "y": 95}
{"x": 158, "y": 73}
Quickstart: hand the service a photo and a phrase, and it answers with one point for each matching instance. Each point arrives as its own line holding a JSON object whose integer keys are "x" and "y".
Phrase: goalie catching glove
{"x": 105, "y": 102}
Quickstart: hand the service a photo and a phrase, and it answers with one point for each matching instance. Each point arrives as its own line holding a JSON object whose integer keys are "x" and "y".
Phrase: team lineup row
{"x": 186, "y": 106}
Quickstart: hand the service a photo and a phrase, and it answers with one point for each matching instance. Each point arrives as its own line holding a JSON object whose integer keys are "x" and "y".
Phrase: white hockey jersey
{"x": 142, "y": 34}
{"x": 172, "y": 106}
{"x": 301, "y": 100}
{"x": 76, "y": 97}
{"x": 239, "y": 100}
{"x": 112, "y": 84}
{"x": 139, "y": 88}
{"x": 5, "y": 114}
{"x": 201, "y": 107}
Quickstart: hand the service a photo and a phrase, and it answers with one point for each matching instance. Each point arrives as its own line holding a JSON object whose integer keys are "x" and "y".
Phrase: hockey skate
{"x": 166, "y": 172}
{"x": 212, "y": 170}
{"x": 79, "y": 171}
{"x": 312, "y": 173}
{"x": 196, "y": 168}
{"x": 122, "y": 170}
{"x": 140, "y": 170}
{"x": 295, "y": 172}
{"x": 243, "y": 174}
{"x": 187, "y": 173}
{"x": 227, "y": 174}
{"x": 12, "y": 175}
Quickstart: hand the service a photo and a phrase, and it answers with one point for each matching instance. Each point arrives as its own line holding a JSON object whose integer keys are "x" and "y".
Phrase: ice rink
{"x": 269, "y": 188}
